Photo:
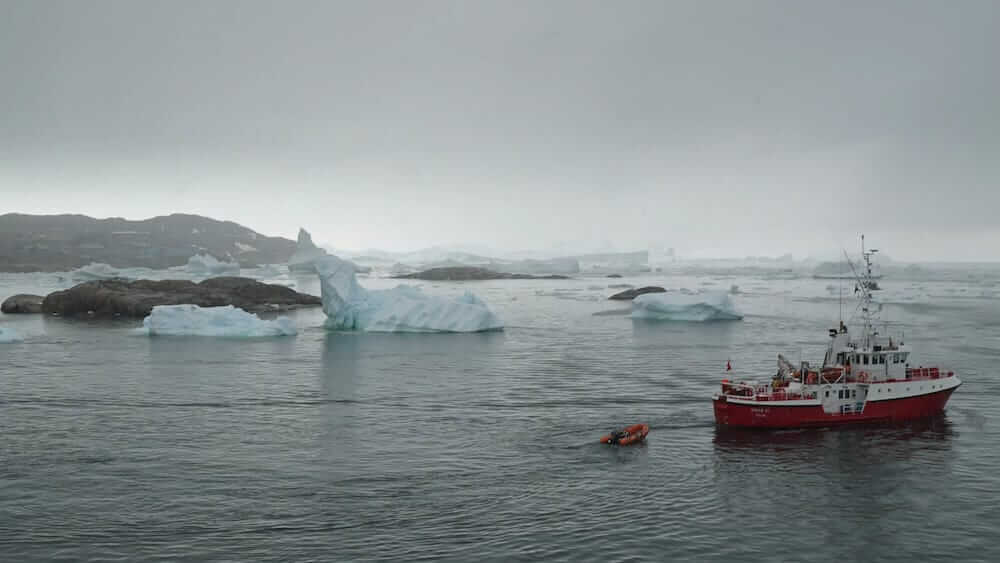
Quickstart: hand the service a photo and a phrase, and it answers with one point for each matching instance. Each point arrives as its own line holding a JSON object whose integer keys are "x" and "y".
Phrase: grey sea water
{"x": 354, "y": 447}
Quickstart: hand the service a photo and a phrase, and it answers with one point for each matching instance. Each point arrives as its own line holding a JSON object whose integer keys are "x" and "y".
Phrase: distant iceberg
{"x": 102, "y": 271}
{"x": 348, "y": 306}
{"x": 206, "y": 264}
{"x": 94, "y": 271}
{"x": 843, "y": 270}
{"x": 306, "y": 252}
{"x": 8, "y": 335}
{"x": 226, "y": 322}
{"x": 708, "y": 306}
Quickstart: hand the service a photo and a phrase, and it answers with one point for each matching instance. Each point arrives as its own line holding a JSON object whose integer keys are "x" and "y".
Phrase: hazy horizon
{"x": 720, "y": 130}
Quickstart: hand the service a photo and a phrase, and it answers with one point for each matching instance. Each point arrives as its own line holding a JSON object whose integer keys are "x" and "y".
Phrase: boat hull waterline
{"x": 753, "y": 414}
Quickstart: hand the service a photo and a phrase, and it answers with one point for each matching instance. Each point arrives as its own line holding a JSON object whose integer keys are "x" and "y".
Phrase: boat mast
{"x": 840, "y": 284}
{"x": 864, "y": 284}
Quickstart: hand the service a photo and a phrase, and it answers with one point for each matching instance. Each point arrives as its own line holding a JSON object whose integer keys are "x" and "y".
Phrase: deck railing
{"x": 766, "y": 392}
{"x": 782, "y": 396}
{"x": 924, "y": 373}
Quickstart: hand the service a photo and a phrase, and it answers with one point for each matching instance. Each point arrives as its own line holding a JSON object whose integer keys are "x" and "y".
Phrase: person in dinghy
{"x": 626, "y": 436}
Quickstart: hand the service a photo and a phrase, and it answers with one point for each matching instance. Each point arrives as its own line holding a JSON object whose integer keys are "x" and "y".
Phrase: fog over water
{"x": 717, "y": 129}
{"x": 458, "y": 418}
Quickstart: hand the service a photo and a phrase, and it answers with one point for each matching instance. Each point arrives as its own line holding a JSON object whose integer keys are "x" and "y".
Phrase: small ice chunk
{"x": 708, "y": 306}
{"x": 96, "y": 271}
{"x": 227, "y": 322}
{"x": 8, "y": 335}
{"x": 206, "y": 264}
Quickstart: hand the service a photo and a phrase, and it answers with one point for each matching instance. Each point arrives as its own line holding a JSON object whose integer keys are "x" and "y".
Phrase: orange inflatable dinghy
{"x": 627, "y": 436}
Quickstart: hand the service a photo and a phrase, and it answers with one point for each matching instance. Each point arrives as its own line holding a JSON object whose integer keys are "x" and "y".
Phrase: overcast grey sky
{"x": 718, "y": 128}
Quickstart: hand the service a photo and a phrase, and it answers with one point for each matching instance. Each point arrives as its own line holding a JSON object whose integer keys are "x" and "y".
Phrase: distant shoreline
{"x": 53, "y": 243}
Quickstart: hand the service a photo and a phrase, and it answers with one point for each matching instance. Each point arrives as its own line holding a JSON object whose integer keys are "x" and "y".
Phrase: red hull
{"x": 762, "y": 415}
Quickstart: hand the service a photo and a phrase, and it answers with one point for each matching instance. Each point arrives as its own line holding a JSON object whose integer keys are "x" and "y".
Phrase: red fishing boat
{"x": 867, "y": 379}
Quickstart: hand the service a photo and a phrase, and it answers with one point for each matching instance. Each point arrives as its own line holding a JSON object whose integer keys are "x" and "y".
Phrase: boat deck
{"x": 766, "y": 392}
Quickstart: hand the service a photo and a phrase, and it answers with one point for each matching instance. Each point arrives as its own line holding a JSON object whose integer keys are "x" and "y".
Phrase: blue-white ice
{"x": 206, "y": 264}
{"x": 708, "y": 306}
{"x": 226, "y": 322}
{"x": 8, "y": 335}
{"x": 348, "y": 306}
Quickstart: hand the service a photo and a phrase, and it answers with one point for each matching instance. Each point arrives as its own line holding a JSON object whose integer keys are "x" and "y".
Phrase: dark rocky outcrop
{"x": 22, "y": 304}
{"x": 469, "y": 273}
{"x": 614, "y": 275}
{"x": 108, "y": 298}
{"x": 630, "y": 294}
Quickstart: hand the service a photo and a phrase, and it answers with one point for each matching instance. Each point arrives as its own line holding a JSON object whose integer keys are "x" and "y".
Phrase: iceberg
{"x": 102, "y": 271}
{"x": 306, "y": 252}
{"x": 226, "y": 322}
{"x": 348, "y": 306}
{"x": 709, "y": 306}
{"x": 8, "y": 335}
{"x": 206, "y": 264}
{"x": 95, "y": 271}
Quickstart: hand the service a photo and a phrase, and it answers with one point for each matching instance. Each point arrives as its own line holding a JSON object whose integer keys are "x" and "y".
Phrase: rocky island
{"x": 470, "y": 273}
{"x": 111, "y": 298}
{"x": 22, "y": 304}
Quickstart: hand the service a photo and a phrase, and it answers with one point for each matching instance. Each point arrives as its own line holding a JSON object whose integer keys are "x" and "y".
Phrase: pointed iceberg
{"x": 305, "y": 252}
{"x": 348, "y": 306}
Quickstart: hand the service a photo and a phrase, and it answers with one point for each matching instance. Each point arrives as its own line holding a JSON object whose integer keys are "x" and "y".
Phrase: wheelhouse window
{"x": 864, "y": 359}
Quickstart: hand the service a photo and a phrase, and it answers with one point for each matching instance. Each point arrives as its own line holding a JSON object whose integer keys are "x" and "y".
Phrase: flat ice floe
{"x": 8, "y": 335}
{"x": 226, "y": 322}
{"x": 102, "y": 271}
{"x": 707, "y": 306}
{"x": 348, "y": 306}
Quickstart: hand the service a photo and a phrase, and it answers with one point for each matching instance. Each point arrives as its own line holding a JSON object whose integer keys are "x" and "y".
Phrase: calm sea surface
{"x": 352, "y": 447}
